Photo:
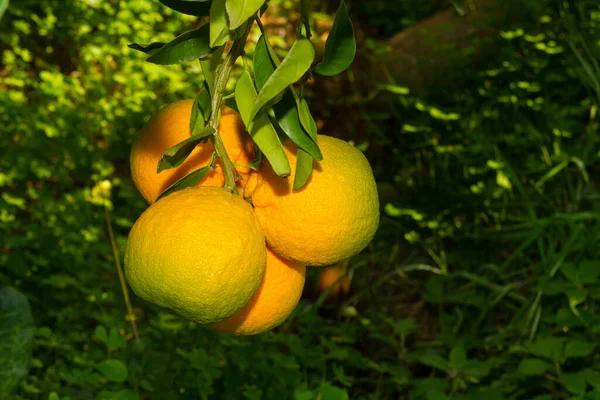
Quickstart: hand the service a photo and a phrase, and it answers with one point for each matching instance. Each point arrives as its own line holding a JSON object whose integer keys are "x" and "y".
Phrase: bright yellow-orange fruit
{"x": 170, "y": 126}
{"x": 198, "y": 252}
{"x": 275, "y": 299}
{"x": 333, "y": 277}
{"x": 333, "y": 217}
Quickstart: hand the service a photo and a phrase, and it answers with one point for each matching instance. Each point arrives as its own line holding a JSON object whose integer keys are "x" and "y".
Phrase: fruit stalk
{"x": 220, "y": 83}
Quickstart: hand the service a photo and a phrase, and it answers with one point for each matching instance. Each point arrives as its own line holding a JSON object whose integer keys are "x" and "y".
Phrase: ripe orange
{"x": 170, "y": 126}
{"x": 328, "y": 278}
{"x": 333, "y": 217}
{"x": 198, "y": 252}
{"x": 275, "y": 299}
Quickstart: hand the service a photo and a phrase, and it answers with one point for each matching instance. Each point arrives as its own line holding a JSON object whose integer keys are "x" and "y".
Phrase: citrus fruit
{"x": 275, "y": 299}
{"x": 170, "y": 126}
{"x": 333, "y": 277}
{"x": 198, "y": 252}
{"x": 331, "y": 218}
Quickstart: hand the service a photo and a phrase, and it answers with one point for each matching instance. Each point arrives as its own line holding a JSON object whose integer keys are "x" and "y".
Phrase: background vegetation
{"x": 483, "y": 281}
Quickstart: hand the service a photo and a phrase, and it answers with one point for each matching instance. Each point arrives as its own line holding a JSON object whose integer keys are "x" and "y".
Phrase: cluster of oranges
{"x": 236, "y": 263}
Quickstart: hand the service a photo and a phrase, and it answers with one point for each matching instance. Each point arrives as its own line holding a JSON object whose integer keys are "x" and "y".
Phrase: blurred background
{"x": 480, "y": 120}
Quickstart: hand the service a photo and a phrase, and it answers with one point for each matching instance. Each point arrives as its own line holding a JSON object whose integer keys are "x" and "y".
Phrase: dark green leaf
{"x": 306, "y": 118}
{"x": 240, "y": 10}
{"x": 200, "y": 110}
{"x": 330, "y": 392}
{"x": 185, "y": 47}
{"x": 177, "y": 154}
{"x": 263, "y": 65}
{"x": 195, "y": 8}
{"x": 289, "y": 121}
{"x": 575, "y": 382}
{"x": 262, "y": 131}
{"x": 579, "y": 348}
{"x": 304, "y": 167}
{"x": 533, "y": 366}
{"x": 293, "y": 66}
{"x": 101, "y": 334}
{"x": 114, "y": 370}
{"x": 190, "y": 180}
{"x": 147, "y": 48}
{"x": 219, "y": 29}
{"x": 550, "y": 347}
{"x": 16, "y": 340}
{"x": 340, "y": 47}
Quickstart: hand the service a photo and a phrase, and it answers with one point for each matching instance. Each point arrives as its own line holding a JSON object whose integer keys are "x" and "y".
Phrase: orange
{"x": 276, "y": 298}
{"x": 170, "y": 126}
{"x": 198, "y": 252}
{"x": 333, "y": 217}
{"x": 328, "y": 278}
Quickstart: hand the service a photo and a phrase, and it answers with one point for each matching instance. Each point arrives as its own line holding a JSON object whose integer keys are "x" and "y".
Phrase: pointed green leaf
{"x": 263, "y": 66}
{"x": 533, "y": 366}
{"x": 575, "y": 382}
{"x": 185, "y": 47}
{"x": 198, "y": 9}
{"x": 177, "y": 154}
{"x": 306, "y": 118}
{"x": 340, "y": 47}
{"x": 190, "y": 180}
{"x": 294, "y": 65}
{"x": 240, "y": 10}
{"x": 289, "y": 122}
{"x": 101, "y": 334}
{"x": 219, "y": 29}
{"x": 16, "y": 344}
{"x": 304, "y": 167}
{"x": 147, "y": 48}
{"x": 579, "y": 348}
{"x": 200, "y": 110}
{"x": 114, "y": 370}
{"x": 262, "y": 131}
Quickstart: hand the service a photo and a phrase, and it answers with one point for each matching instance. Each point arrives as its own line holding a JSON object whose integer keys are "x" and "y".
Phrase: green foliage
{"x": 482, "y": 283}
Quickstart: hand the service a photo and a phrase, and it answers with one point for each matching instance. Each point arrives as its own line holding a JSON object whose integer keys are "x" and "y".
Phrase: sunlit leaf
{"x": 16, "y": 344}
{"x": 177, "y": 154}
{"x": 3, "y": 7}
{"x": 294, "y": 65}
{"x": 196, "y": 8}
{"x": 190, "y": 180}
{"x": 185, "y": 47}
{"x": 289, "y": 122}
{"x": 340, "y": 47}
{"x": 262, "y": 131}
{"x": 219, "y": 29}
{"x": 240, "y": 10}
{"x": 304, "y": 167}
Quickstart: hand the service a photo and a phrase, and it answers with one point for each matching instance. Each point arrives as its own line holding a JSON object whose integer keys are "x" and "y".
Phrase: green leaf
{"x": 574, "y": 382}
{"x": 177, "y": 154}
{"x": 147, "y": 48}
{"x": 579, "y": 348}
{"x": 240, "y": 10}
{"x": 190, "y": 180}
{"x": 209, "y": 66}
{"x": 16, "y": 344}
{"x": 549, "y": 347}
{"x": 330, "y": 392}
{"x": 198, "y": 9}
{"x": 293, "y": 66}
{"x": 306, "y": 118}
{"x": 262, "y": 131}
{"x": 219, "y": 29}
{"x": 340, "y": 47}
{"x": 593, "y": 377}
{"x": 263, "y": 65}
{"x": 53, "y": 396}
{"x": 304, "y": 167}
{"x": 200, "y": 110}
{"x": 289, "y": 122}
{"x": 185, "y": 47}
{"x": 533, "y": 366}
{"x": 114, "y": 370}
{"x": 101, "y": 334}
{"x": 3, "y": 7}
{"x": 285, "y": 110}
